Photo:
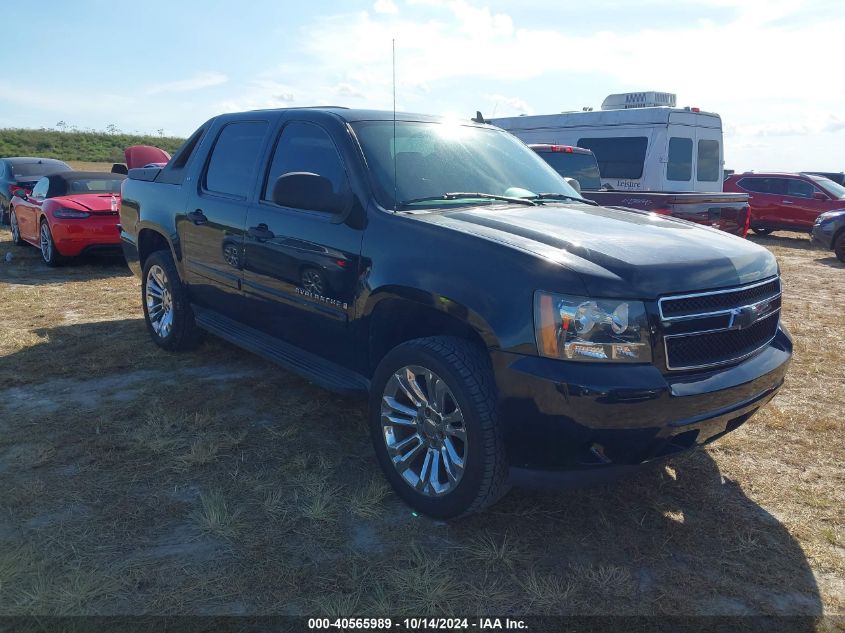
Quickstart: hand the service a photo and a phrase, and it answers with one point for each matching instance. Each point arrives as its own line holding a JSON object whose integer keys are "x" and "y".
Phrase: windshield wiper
{"x": 563, "y": 196}
{"x": 458, "y": 195}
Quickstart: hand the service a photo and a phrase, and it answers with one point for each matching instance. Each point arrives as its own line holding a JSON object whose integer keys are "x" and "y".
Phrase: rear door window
{"x": 618, "y": 157}
{"x": 233, "y": 162}
{"x": 708, "y": 161}
{"x": 763, "y": 185}
{"x": 679, "y": 165}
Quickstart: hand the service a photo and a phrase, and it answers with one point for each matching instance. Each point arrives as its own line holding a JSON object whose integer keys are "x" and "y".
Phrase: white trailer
{"x": 641, "y": 140}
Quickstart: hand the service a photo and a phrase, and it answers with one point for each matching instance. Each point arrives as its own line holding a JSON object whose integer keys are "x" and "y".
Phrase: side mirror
{"x": 572, "y": 182}
{"x": 305, "y": 190}
{"x": 818, "y": 195}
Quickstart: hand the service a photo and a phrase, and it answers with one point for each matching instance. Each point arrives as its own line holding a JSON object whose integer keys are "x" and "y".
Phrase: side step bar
{"x": 322, "y": 372}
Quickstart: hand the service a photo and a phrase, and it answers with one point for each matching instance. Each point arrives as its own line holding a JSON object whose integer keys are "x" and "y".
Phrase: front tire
{"x": 434, "y": 427}
{"x": 839, "y": 246}
{"x": 16, "y": 231}
{"x": 167, "y": 309}
{"x": 49, "y": 254}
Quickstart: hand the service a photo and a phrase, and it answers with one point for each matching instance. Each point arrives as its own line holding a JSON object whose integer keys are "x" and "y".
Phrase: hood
{"x": 93, "y": 202}
{"x": 620, "y": 253}
{"x": 143, "y": 155}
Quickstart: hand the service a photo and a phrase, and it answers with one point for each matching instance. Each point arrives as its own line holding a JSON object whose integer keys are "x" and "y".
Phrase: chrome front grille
{"x": 707, "y": 329}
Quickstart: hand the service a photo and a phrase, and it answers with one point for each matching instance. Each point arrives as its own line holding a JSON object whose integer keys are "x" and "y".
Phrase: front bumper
{"x": 566, "y": 420}
{"x": 820, "y": 239}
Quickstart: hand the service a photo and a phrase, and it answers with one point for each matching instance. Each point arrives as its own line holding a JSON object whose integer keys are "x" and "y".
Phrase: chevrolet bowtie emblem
{"x": 746, "y": 316}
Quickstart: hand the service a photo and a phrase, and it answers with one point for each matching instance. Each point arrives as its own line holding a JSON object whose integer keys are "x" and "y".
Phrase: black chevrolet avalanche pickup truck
{"x": 506, "y": 330}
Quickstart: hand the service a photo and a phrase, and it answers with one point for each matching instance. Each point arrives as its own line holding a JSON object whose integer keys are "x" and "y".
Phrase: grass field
{"x": 136, "y": 481}
{"x": 82, "y": 165}
{"x": 70, "y": 145}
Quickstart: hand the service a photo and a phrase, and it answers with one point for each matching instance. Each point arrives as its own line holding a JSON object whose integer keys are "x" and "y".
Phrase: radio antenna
{"x": 395, "y": 184}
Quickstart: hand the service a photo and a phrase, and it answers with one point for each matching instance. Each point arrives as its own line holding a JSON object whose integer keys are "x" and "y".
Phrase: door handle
{"x": 260, "y": 233}
{"x": 197, "y": 217}
{"x": 787, "y": 202}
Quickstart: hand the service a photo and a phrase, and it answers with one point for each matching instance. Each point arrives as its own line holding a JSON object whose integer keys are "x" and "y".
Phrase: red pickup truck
{"x": 726, "y": 211}
{"x": 786, "y": 202}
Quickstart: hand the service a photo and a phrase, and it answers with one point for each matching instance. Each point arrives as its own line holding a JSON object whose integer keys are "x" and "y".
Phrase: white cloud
{"x": 197, "y": 82}
{"x": 385, "y": 6}
{"x": 759, "y": 68}
{"x": 258, "y": 94}
{"x": 344, "y": 89}
{"x": 507, "y": 106}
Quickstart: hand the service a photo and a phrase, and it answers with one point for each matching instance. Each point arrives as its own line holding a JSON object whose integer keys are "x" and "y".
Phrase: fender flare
{"x": 434, "y": 301}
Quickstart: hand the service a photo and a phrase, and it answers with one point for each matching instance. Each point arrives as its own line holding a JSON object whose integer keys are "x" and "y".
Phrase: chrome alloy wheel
{"x": 159, "y": 301}
{"x": 424, "y": 431}
{"x": 46, "y": 242}
{"x": 13, "y": 221}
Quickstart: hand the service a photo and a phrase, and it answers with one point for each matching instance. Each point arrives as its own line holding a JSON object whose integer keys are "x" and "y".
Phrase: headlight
{"x": 69, "y": 214}
{"x": 597, "y": 330}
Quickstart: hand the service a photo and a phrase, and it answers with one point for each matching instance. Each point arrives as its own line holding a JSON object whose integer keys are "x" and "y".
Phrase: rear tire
{"x": 16, "y": 231}
{"x": 839, "y": 246}
{"x": 761, "y": 232}
{"x": 167, "y": 309}
{"x": 49, "y": 254}
{"x": 453, "y": 386}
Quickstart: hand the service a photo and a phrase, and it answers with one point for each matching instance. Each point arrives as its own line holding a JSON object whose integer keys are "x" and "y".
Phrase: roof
{"x": 22, "y": 160}
{"x": 79, "y": 175}
{"x": 769, "y": 174}
{"x": 353, "y": 114}
{"x": 603, "y": 118}
{"x": 60, "y": 182}
{"x": 570, "y": 149}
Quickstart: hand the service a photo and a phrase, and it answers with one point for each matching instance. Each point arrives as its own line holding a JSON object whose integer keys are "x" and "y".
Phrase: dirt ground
{"x": 136, "y": 481}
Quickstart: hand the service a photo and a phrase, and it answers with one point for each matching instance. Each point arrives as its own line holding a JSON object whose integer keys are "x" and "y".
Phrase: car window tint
{"x": 581, "y": 167}
{"x": 618, "y": 157}
{"x": 757, "y": 185}
{"x": 305, "y": 147}
{"x": 234, "y": 158}
{"x": 679, "y": 166}
{"x": 708, "y": 161}
{"x": 799, "y": 188}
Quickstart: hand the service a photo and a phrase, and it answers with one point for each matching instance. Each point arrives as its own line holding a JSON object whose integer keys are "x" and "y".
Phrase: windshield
{"x": 833, "y": 188}
{"x": 33, "y": 171}
{"x": 581, "y": 167}
{"x": 433, "y": 159}
{"x": 107, "y": 184}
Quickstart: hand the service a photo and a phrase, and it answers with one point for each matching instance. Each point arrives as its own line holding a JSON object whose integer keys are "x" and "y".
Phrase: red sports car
{"x": 69, "y": 214}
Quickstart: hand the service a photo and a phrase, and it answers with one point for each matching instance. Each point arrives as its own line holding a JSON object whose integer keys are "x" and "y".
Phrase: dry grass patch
{"x": 368, "y": 502}
{"x": 547, "y": 593}
{"x": 215, "y": 517}
{"x": 489, "y": 549}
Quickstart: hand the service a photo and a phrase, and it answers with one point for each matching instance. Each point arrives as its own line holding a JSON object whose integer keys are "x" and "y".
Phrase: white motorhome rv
{"x": 642, "y": 141}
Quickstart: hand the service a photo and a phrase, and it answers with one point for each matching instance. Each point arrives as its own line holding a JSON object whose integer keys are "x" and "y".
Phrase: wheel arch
{"x": 150, "y": 240}
{"x": 395, "y": 315}
{"x": 839, "y": 233}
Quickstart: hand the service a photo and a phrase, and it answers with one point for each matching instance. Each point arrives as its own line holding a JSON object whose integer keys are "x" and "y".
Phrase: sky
{"x": 771, "y": 68}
